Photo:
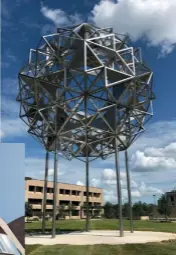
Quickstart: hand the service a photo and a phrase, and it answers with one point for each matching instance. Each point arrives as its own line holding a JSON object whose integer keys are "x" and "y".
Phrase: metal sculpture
{"x": 86, "y": 94}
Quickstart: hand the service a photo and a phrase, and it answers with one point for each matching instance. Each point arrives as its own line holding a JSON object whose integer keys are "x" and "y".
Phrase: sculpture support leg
{"x": 45, "y": 192}
{"x": 87, "y": 194}
{"x": 129, "y": 191}
{"x": 55, "y": 193}
{"x": 119, "y": 195}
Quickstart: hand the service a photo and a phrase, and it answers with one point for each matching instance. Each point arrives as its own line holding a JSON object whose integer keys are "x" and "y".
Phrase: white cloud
{"x": 138, "y": 189}
{"x": 148, "y": 190}
{"x": 95, "y": 182}
{"x": 167, "y": 151}
{"x": 110, "y": 196}
{"x": 109, "y": 178}
{"x": 80, "y": 183}
{"x": 153, "y": 159}
{"x": 59, "y": 17}
{"x": 51, "y": 172}
{"x": 154, "y": 20}
{"x": 136, "y": 193}
{"x": 109, "y": 174}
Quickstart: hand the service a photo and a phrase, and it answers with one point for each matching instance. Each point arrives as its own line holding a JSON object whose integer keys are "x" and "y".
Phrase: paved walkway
{"x": 100, "y": 237}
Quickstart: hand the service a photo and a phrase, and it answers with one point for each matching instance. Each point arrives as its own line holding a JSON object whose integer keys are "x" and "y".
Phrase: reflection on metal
{"x": 85, "y": 88}
{"x": 9, "y": 244}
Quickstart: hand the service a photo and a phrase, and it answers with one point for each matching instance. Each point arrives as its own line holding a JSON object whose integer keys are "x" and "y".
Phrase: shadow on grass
{"x": 49, "y": 231}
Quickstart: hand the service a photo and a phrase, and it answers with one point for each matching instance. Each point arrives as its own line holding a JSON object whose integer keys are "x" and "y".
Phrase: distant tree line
{"x": 139, "y": 209}
{"x": 112, "y": 210}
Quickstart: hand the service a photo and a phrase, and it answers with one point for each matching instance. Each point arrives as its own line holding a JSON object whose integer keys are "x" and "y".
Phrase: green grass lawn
{"x": 103, "y": 224}
{"x": 164, "y": 248}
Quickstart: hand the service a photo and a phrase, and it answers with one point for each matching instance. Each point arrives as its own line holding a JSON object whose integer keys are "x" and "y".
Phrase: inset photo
{"x": 12, "y": 198}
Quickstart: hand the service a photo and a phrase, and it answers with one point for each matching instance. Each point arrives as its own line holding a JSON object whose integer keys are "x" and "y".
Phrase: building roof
{"x": 32, "y": 179}
{"x": 173, "y": 192}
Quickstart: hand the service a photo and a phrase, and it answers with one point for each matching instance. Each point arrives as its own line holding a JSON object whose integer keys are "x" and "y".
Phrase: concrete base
{"x": 100, "y": 237}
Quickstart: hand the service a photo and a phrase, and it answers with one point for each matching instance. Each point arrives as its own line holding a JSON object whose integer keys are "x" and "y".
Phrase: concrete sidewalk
{"x": 100, "y": 237}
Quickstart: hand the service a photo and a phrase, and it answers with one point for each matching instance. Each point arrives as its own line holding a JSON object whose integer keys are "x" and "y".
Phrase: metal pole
{"x": 129, "y": 192}
{"x": 119, "y": 195}
{"x": 87, "y": 171}
{"x": 45, "y": 192}
{"x": 87, "y": 152}
{"x": 87, "y": 193}
{"x": 55, "y": 176}
{"x": 55, "y": 191}
{"x": 117, "y": 166}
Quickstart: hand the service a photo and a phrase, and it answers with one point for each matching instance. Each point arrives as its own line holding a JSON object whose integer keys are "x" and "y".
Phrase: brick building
{"x": 67, "y": 195}
{"x": 171, "y": 199}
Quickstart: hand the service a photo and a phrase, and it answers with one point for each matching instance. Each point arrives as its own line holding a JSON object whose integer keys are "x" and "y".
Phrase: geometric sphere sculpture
{"x": 84, "y": 87}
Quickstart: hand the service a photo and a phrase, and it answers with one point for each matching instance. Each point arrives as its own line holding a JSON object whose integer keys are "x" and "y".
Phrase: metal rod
{"x": 87, "y": 193}
{"x": 55, "y": 176}
{"x": 55, "y": 191}
{"x": 45, "y": 192}
{"x": 117, "y": 166}
{"x": 119, "y": 195}
{"x": 87, "y": 155}
{"x": 129, "y": 192}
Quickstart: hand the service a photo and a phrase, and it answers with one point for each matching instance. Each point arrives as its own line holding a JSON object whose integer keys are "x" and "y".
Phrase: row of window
{"x": 62, "y": 202}
{"x": 172, "y": 199}
{"x": 62, "y": 191}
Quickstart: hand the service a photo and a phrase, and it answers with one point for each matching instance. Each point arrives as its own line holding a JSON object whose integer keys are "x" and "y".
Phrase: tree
{"x": 61, "y": 212}
{"x": 125, "y": 210}
{"x": 70, "y": 209}
{"x": 163, "y": 207}
{"x": 28, "y": 209}
{"x": 139, "y": 209}
{"x": 109, "y": 210}
{"x": 150, "y": 209}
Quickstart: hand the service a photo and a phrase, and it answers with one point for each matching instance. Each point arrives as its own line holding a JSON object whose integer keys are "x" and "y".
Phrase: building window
{"x": 85, "y": 204}
{"x": 32, "y": 188}
{"x": 64, "y": 202}
{"x": 39, "y": 189}
{"x": 34, "y": 201}
{"x": 97, "y": 204}
{"x": 67, "y": 192}
{"x": 74, "y": 192}
{"x": 172, "y": 198}
{"x": 96, "y": 194}
{"x": 97, "y": 213}
{"x": 49, "y": 201}
{"x": 50, "y": 190}
{"x": 61, "y": 191}
{"x": 75, "y": 213}
{"x": 75, "y": 203}
{"x": 49, "y": 210}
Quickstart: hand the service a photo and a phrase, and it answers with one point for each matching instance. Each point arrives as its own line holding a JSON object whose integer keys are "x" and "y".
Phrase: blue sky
{"x": 12, "y": 158}
{"x": 152, "y": 157}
